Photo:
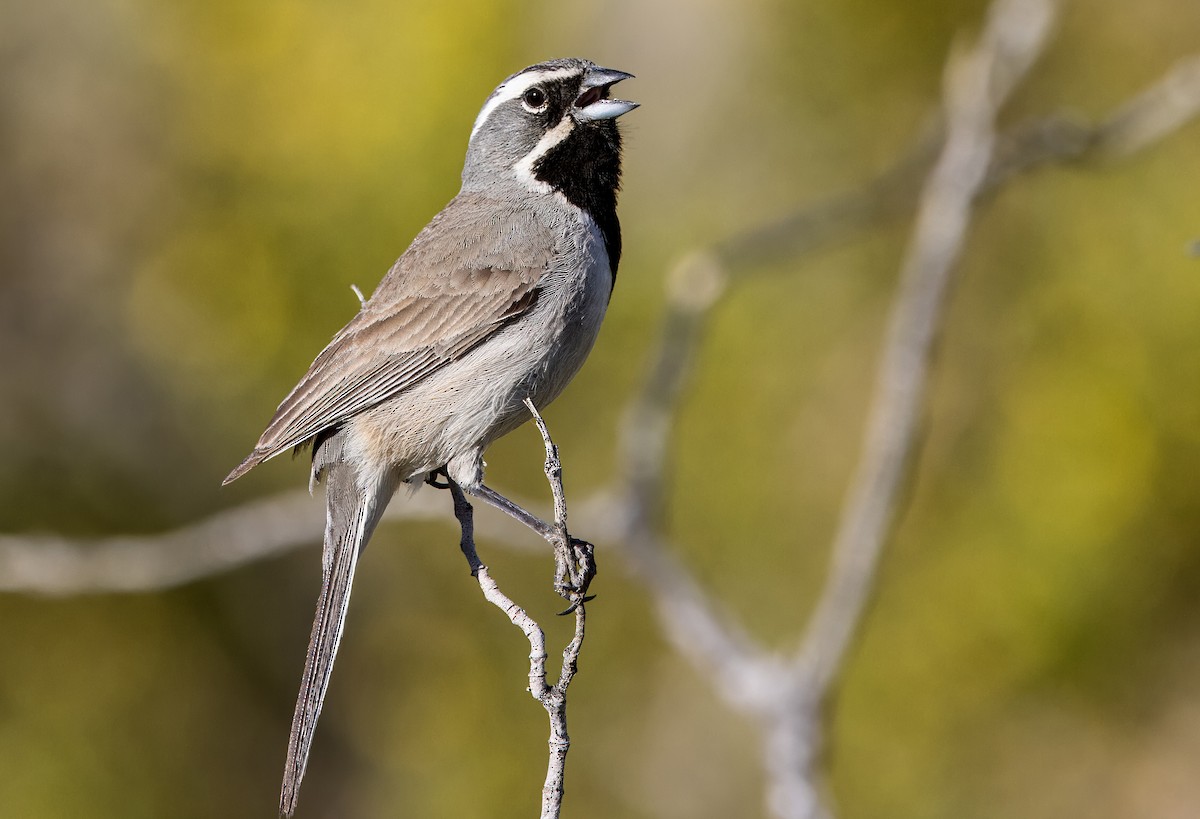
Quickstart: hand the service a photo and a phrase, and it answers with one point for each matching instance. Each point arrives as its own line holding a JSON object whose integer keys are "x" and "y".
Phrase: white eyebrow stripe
{"x": 514, "y": 88}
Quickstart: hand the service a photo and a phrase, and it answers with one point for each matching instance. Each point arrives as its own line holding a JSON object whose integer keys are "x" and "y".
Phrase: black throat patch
{"x": 586, "y": 169}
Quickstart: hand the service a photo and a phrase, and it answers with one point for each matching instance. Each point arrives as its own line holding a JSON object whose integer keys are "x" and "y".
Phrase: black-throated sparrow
{"x": 500, "y": 297}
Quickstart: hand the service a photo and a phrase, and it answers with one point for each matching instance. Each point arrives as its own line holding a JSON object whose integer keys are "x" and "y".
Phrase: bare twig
{"x": 1158, "y": 111}
{"x": 575, "y": 559}
{"x": 55, "y": 565}
{"x": 580, "y": 569}
{"x": 574, "y": 569}
{"x": 787, "y": 698}
{"x": 976, "y": 85}
{"x": 697, "y": 627}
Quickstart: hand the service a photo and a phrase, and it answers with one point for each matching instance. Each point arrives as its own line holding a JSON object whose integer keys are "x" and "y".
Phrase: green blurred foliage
{"x": 190, "y": 189}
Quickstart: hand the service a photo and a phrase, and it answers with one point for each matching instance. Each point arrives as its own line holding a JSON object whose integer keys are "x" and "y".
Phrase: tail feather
{"x": 352, "y": 515}
{"x": 252, "y": 460}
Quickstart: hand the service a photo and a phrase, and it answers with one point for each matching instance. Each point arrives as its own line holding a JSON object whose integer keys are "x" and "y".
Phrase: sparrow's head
{"x": 551, "y": 127}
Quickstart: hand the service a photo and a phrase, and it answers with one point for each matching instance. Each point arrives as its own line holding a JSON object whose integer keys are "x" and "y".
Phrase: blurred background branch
{"x": 789, "y": 702}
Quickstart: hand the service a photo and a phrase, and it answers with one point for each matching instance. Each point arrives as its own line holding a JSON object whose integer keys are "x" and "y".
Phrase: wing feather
{"x": 441, "y": 299}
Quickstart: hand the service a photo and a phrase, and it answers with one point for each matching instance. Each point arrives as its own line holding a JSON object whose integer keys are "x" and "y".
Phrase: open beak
{"x": 594, "y": 103}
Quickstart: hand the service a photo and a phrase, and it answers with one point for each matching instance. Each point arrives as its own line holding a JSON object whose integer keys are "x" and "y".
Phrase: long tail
{"x": 352, "y": 515}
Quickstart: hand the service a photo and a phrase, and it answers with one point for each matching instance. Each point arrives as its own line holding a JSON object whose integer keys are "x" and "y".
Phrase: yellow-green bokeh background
{"x": 190, "y": 189}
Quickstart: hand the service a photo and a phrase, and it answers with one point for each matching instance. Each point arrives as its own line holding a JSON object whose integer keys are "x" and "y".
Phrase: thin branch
{"x": 528, "y": 626}
{"x": 697, "y": 627}
{"x": 575, "y": 559}
{"x": 696, "y": 283}
{"x": 1169, "y": 104}
{"x": 56, "y": 565}
{"x": 977, "y": 84}
{"x": 574, "y": 569}
{"x": 788, "y": 702}
{"x": 1152, "y": 115}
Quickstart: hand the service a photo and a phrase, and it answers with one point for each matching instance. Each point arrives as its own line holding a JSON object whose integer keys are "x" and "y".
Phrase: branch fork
{"x": 574, "y": 568}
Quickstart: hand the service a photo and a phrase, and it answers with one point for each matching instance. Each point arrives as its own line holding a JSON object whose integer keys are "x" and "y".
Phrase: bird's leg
{"x": 493, "y": 498}
{"x": 432, "y": 478}
{"x": 574, "y": 559}
{"x": 465, "y": 514}
{"x": 466, "y": 519}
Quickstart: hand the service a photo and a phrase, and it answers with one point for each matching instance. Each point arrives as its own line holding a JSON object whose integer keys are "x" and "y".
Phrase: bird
{"x": 497, "y": 300}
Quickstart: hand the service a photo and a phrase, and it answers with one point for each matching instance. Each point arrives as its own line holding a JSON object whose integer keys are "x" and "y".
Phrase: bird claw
{"x": 575, "y": 568}
{"x": 587, "y": 598}
{"x": 432, "y": 480}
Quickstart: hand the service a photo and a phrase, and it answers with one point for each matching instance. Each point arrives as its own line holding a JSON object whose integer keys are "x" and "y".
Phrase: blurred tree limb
{"x": 788, "y": 695}
{"x": 944, "y": 177}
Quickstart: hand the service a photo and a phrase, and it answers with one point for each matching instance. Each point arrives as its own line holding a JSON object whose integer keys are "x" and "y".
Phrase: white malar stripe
{"x": 514, "y": 88}
{"x": 523, "y": 170}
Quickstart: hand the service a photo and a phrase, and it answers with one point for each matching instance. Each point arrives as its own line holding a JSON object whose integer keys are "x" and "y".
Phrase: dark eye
{"x": 534, "y": 98}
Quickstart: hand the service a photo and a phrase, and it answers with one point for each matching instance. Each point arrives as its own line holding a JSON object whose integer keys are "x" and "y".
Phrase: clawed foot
{"x": 432, "y": 478}
{"x": 574, "y": 559}
{"x": 574, "y": 569}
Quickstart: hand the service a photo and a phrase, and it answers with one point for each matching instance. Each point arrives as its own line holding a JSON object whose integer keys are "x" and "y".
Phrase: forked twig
{"x": 574, "y": 569}
{"x": 786, "y": 696}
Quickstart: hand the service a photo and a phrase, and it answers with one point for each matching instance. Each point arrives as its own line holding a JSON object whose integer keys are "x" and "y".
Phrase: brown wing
{"x": 427, "y": 312}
